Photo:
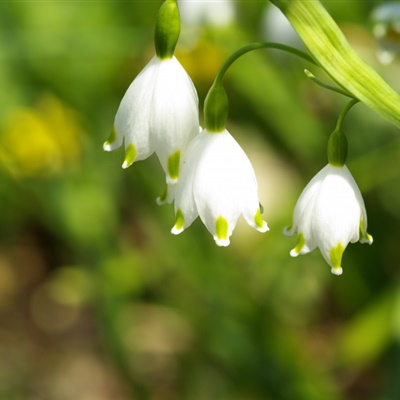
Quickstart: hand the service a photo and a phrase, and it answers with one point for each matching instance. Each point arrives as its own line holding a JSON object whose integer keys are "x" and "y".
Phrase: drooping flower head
{"x": 217, "y": 181}
{"x": 218, "y": 184}
{"x": 330, "y": 212}
{"x": 159, "y": 111}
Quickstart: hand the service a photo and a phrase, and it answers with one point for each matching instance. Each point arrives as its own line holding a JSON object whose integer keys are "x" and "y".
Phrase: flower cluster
{"x": 208, "y": 174}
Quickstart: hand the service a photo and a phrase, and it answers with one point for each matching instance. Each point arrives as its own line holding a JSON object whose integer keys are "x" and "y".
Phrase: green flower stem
{"x": 344, "y": 112}
{"x": 326, "y": 86}
{"x": 255, "y": 46}
{"x": 216, "y": 104}
{"x": 329, "y": 47}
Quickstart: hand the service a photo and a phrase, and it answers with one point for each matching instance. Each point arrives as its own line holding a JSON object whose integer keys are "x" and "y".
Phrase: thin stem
{"x": 344, "y": 112}
{"x": 326, "y": 86}
{"x": 259, "y": 45}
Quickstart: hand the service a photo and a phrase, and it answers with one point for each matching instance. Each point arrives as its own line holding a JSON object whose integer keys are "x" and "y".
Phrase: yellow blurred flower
{"x": 40, "y": 141}
{"x": 201, "y": 62}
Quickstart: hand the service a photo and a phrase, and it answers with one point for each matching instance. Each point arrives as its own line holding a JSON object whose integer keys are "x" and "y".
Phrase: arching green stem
{"x": 344, "y": 112}
{"x": 255, "y": 46}
{"x": 216, "y": 103}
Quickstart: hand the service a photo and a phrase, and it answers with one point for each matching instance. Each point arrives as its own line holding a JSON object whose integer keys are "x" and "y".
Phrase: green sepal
{"x": 179, "y": 220}
{"x": 168, "y": 27}
{"x": 337, "y": 148}
{"x": 216, "y": 107}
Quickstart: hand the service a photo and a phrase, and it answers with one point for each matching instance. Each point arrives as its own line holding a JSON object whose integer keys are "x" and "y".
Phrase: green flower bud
{"x": 337, "y": 148}
{"x": 168, "y": 27}
{"x": 216, "y": 108}
{"x": 331, "y": 50}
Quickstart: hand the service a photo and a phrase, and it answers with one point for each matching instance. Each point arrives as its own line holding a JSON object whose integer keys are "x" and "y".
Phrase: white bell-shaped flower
{"x": 329, "y": 214}
{"x": 158, "y": 113}
{"x": 217, "y": 183}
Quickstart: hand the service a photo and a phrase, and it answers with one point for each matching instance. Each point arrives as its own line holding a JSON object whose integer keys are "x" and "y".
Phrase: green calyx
{"x": 216, "y": 107}
{"x": 337, "y": 148}
{"x": 337, "y": 143}
{"x": 168, "y": 27}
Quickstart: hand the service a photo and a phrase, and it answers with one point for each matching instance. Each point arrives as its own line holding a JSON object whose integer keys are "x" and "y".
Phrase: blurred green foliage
{"x": 99, "y": 301}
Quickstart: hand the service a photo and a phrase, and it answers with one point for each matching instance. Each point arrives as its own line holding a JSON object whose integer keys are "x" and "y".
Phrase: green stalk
{"x": 216, "y": 104}
{"x": 255, "y": 46}
{"x": 344, "y": 112}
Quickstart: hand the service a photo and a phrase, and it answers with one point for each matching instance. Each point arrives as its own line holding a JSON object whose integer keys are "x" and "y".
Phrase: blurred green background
{"x": 99, "y": 301}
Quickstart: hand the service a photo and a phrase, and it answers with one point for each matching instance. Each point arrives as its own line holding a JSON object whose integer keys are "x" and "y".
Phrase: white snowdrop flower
{"x": 329, "y": 214}
{"x": 217, "y": 183}
{"x": 158, "y": 113}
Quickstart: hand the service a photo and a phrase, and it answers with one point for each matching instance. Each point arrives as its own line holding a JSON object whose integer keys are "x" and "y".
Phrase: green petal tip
{"x": 261, "y": 225}
{"x": 301, "y": 241}
{"x": 107, "y": 146}
{"x": 335, "y": 256}
{"x": 173, "y": 164}
{"x": 221, "y": 232}
{"x": 130, "y": 155}
{"x": 179, "y": 222}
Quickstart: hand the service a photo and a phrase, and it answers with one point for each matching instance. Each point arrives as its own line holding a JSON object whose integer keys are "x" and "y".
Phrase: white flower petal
{"x": 253, "y": 217}
{"x": 175, "y": 117}
{"x": 337, "y": 271}
{"x": 184, "y": 201}
{"x": 302, "y": 247}
{"x": 216, "y": 182}
{"x": 168, "y": 196}
{"x": 302, "y": 217}
{"x": 134, "y": 112}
